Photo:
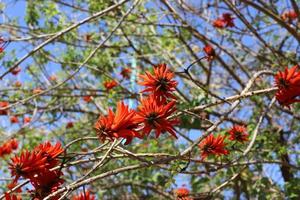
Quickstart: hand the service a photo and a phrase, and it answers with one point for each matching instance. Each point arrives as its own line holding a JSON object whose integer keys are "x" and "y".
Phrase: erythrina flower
{"x": 51, "y": 152}
{"x": 182, "y": 193}
{"x": 8, "y": 147}
{"x": 15, "y": 71}
{"x": 12, "y": 185}
{"x": 5, "y": 149}
{"x": 12, "y": 197}
{"x": 3, "y": 104}
{"x": 289, "y": 15}
{"x": 288, "y": 83}
{"x": 121, "y": 124}
{"x": 14, "y": 119}
{"x": 228, "y": 19}
{"x": 84, "y": 196}
{"x": 69, "y": 125}
{"x": 126, "y": 73}
{"x": 154, "y": 116}
{"x": 225, "y": 21}
{"x": 238, "y": 133}
{"x": 3, "y": 44}
{"x": 37, "y": 167}
{"x": 14, "y": 144}
{"x": 219, "y": 23}
{"x": 110, "y": 84}
{"x": 27, "y": 120}
{"x": 45, "y": 183}
{"x": 210, "y": 52}
{"x": 161, "y": 83}
{"x": 27, "y": 164}
{"x": 212, "y": 145}
{"x": 288, "y": 78}
{"x": 87, "y": 98}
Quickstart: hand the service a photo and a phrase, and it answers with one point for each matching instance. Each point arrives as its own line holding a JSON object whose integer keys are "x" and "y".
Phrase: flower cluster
{"x": 122, "y": 124}
{"x": 13, "y": 196}
{"x": 238, "y": 133}
{"x": 8, "y": 147}
{"x": 126, "y": 73}
{"x": 212, "y": 145}
{"x": 36, "y": 166}
{"x": 3, "y": 105}
{"x": 84, "y": 196}
{"x": 210, "y": 52}
{"x": 160, "y": 84}
{"x": 182, "y": 194}
{"x": 226, "y": 20}
{"x": 87, "y": 98}
{"x": 110, "y": 84}
{"x": 15, "y": 71}
{"x": 14, "y": 119}
{"x": 152, "y": 114}
{"x": 289, "y": 16}
{"x": 288, "y": 83}
{"x": 3, "y": 44}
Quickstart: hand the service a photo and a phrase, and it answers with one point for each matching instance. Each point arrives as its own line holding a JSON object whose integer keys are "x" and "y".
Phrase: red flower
{"x": 225, "y": 21}
{"x": 213, "y": 146}
{"x": 13, "y": 184}
{"x": 238, "y": 133}
{"x": 27, "y": 120}
{"x": 288, "y": 83}
{"x": 3, "y": 44}
{"x": 27, "y": 164}
{"x": 210, "y": 52}
{"x": 14, "y": 144}
{"x": 45, "y": 183}
{"x": 161, "y": 83}
{"x": 84, "y": 196}
{"x": 288, "y": 79}
{"x": 3, "y": 104}
{"x": 12, "y": 197}
{"x": 69, "y": 125}
{"x": 121, "y": 124}
{"x": 36, "y": 166}
{"x": 289, "y": 15}
{"x": 14, "y": 119}
{"x": 110, "y": 84}
{"x": 50, "y": 152}
{"x": 154, "y": 115}
{"x": 5, "y": 149}
{"x": 8, "y": 147}
{"x": 182, "y": 194}
{"x": 228, "y": 19}
{"x": 126, "y": 73}
{"x": 219, "y": 23}
{"x": 87, "y": 99}
{"x": 15, "y": 71}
